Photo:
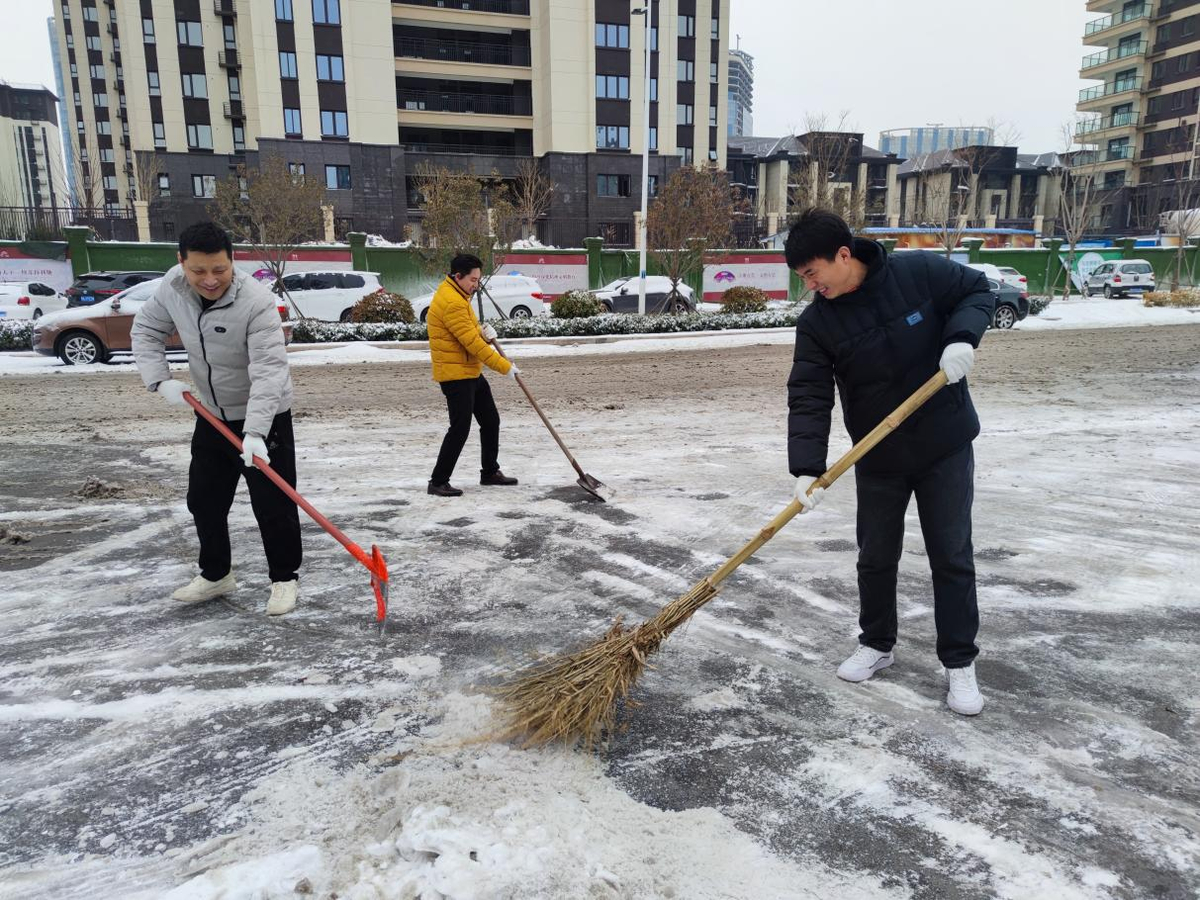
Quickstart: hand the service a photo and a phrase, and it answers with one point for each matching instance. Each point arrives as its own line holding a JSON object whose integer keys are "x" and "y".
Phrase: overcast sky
{"x": 889, "y": 64}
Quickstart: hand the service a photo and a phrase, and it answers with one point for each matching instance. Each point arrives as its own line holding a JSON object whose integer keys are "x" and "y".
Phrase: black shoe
{"x": 496, "y": 478}
{"x": 443, "y": 490}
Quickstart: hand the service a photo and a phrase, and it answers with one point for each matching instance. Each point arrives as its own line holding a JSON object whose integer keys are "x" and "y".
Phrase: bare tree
{"x": 1180, "y": 189}
{"x": 532, "y": 192}
{"x": 148, "y": 167}
{"x": 273, "y": 209}
{"x": 826, "y": 175}
{"x": 1080, "y": 195}
{"x": 693, "y": 213}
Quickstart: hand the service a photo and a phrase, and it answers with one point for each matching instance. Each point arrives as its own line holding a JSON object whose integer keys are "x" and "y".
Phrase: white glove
{"x": 513, "y": 372}
{"x": 489, "y": 333}
{"x": 172, "y": 391}
{"x": 807, "y": 501}
{"x": 252, "y": 446}
{"x": 957, "y": 360}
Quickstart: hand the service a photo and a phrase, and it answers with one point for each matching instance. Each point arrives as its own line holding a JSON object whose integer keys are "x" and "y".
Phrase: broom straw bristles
{"x": 574, "y": 697}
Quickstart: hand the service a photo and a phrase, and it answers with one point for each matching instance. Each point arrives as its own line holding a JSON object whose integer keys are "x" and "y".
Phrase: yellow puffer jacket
{"x": 456, "y": 344}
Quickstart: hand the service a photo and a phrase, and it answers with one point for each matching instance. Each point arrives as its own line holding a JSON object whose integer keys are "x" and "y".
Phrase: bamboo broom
{"x": 573, "y": 697}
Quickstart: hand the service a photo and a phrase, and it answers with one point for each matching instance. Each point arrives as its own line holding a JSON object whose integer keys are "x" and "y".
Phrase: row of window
{"x": 618, "y": 185}
{"x": 325, "y": 12}
{"x": 334, "y": 123}
{"x": 329, "y": 68}
{"x": 616, "y": 137}
{"x": 616, "y": 36}
{"x": 337, "y": 178}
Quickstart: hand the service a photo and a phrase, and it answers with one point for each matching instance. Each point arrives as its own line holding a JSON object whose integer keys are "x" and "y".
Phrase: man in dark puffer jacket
{"x": 878, "y": 328}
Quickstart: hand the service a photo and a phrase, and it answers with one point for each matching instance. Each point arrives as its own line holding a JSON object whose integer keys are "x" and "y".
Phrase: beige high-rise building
{"x": 31, "y": 161}
{"x": 1138, "y": 121}
{"x": 361, "y": 92}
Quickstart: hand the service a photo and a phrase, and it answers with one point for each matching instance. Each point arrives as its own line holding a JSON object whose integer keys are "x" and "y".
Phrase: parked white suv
{"x": 519, "y": 296}
{"x": 1121, "y": 277}
{"x": 29, "y": 300}
{"x": 328, "y": 296}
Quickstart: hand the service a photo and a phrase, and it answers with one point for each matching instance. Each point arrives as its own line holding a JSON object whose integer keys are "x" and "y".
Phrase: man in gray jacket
{"x": 231, "y": 329}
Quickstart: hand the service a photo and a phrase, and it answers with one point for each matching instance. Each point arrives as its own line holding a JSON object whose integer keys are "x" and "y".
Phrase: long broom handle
{"x": 532, "y": 402}
{"x": 336, "y": 533}
{"x": 839, "y": 468}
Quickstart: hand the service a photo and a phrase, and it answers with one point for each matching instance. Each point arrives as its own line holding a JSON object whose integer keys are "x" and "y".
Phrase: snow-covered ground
{"x": 210, "y": 752}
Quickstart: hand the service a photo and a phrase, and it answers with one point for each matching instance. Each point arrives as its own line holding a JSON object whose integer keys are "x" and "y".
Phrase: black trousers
{"x": 465, "y": 398}
{"x": 944, "y": 494}
{"x": 212, "y": 482}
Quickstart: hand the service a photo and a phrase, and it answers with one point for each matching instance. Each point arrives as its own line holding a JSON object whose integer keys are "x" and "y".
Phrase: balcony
{"x": 1125, "y": 51}
{"x": 1112, "y": 154}
{"x": 233, "y": 109}
{"x": 487, "y": 104}
{"x": 507, "y": 7}
{"x": 228, "y": 59}
{"x": 1110, "y": 89}
{"x": 1118, "y": 120}
{"x": 1107, "y": 23}
{"x": 224, "y": 7}
{"x": 463, "y": 51}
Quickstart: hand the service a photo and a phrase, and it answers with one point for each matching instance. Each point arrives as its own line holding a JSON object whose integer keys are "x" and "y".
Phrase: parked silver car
{"x": 1120, "y": 278}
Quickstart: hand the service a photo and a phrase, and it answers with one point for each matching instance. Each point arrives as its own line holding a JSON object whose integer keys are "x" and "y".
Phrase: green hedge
{"x": 308, "y": 331}
{"x": 16, "y": 335}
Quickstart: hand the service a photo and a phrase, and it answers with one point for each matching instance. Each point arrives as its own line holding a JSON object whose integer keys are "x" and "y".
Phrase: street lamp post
{"x": 645, "y": 11}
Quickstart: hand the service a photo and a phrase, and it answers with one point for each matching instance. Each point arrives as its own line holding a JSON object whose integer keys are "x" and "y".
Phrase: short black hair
{"x": 204, "y": 237}
{"x": 464, "y": 263}
{"x": 816, "y": 234}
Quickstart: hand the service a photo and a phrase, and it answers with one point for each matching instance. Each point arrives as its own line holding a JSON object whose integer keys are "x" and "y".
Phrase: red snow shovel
{"x": 374, "y": 560}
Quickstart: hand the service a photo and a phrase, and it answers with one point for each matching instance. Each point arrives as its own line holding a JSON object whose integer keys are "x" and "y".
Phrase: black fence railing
{"x": 488, "y": 104}
{"x": 511, "y": 7}
{"x": 26, "y": 223}
{"x": 463, "y": 51}
{"x": 411, "y": 146}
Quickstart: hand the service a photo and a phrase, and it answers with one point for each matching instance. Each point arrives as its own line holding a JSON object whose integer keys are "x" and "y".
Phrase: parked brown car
{"x": 94, "y": 334}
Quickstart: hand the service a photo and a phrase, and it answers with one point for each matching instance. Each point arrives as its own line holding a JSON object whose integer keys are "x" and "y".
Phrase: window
{"x": 716, "y": 29}
{"x": 683, "y": 114}
{"x": 291, "y": 121}
{"x": 654, "y": 39}
{"x": 687, "y": 26}
{"x": 230, "y": 37}
{"x": 164, "y": 185}
{"x": 90, "y": 14}
{"x": 330, "y": 68}
{"x": 199, "y": 137}
{"x": 79, "y": 126}
{"x": 71, "y": 43}
{"x": 613, "y": 36}
{"x": 653, "y": 90}
{"x": 189, "y": 33}
{"x": 612, "y": 137}
{"x": 287, "y": 64}
{"x": 96, "y": 71}
{"x": 327, "y": 12}
{"x": 612, "y": 87}
{"x": 714, "y": 75}
{"x": 106, "y": 155}
{"x": 1182, "y": 64}
{"x": 239, "y": 138}
{"x": 100, "y": 100}
{"x": 653, "y": 138}
{"x": 685, "y": 154}
{"x": 615, "y": 232}
{"x": 712, "y": 153}
{"x": 1156, "y": 72}
{"x": 148, "y": 31}
{"x": 194, "y": 85}
{"x": 1189, "y": 27}
{"x": 103, "y": 127}
{"x": 78, "y": 101}
{"x": 74, "y": 70}
{"x": 204, "y": 185}
{"x": 93, "y": 42}
{"x": 110, "y": 182}
{"x": 1152, "y": 105}
{"x": 334, "y": 123}
{"x": 235, "y": 87}
{"x": 1163, "y": 33}
{"x": 160, "y": 135}
{"x": 685, "y": 70}
{"x": 283, "y": 10}
{"x": 712, "y": 115}
{"x": 612, "y": 185}
{"x": 296, "y": 170}
{"x": 337, "y": 178}
{"x": 652, "y": 184}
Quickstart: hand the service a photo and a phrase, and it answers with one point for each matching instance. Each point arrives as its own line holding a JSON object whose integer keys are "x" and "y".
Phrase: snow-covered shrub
{"x": 743, "y": 299}
{"x": 575, "y": 305}
{"x": 1039, "y": 303}
{"x": 383, "y": 306}
{"x": 16, "y": 335}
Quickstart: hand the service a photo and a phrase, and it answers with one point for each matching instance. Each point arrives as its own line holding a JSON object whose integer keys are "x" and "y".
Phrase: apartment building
{"x": 1137, "y": 124}
{"x": 31, "y": 163}
{"x": 909, "y": 142}
{"x": 361, "y": 93}
{"x": 741, "y": 93}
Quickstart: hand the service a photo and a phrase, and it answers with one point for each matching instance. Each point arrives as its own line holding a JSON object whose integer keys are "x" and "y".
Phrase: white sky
{"x": 890, "y": 64}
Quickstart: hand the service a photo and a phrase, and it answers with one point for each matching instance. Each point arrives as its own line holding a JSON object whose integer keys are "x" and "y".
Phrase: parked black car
{"x": 96, "y": 286}
{"x": 1012, "y": 305}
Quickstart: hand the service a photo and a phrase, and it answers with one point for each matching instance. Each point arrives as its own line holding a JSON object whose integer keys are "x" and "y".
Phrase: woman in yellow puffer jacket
{"x": 459, "y": 348}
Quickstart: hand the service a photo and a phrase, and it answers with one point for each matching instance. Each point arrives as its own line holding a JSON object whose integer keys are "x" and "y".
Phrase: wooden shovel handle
{"x": 839, "y": 468}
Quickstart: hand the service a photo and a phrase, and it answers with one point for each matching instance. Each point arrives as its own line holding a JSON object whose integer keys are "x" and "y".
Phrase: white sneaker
{"x": 283, "y": 597}
{"x": 864, "y": 663}
{"x": 964, "y": 697}
{"x": 201, "y": 589}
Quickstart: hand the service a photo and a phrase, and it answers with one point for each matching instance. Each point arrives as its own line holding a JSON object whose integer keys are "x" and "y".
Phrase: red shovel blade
{"x": 379, "y": 582}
